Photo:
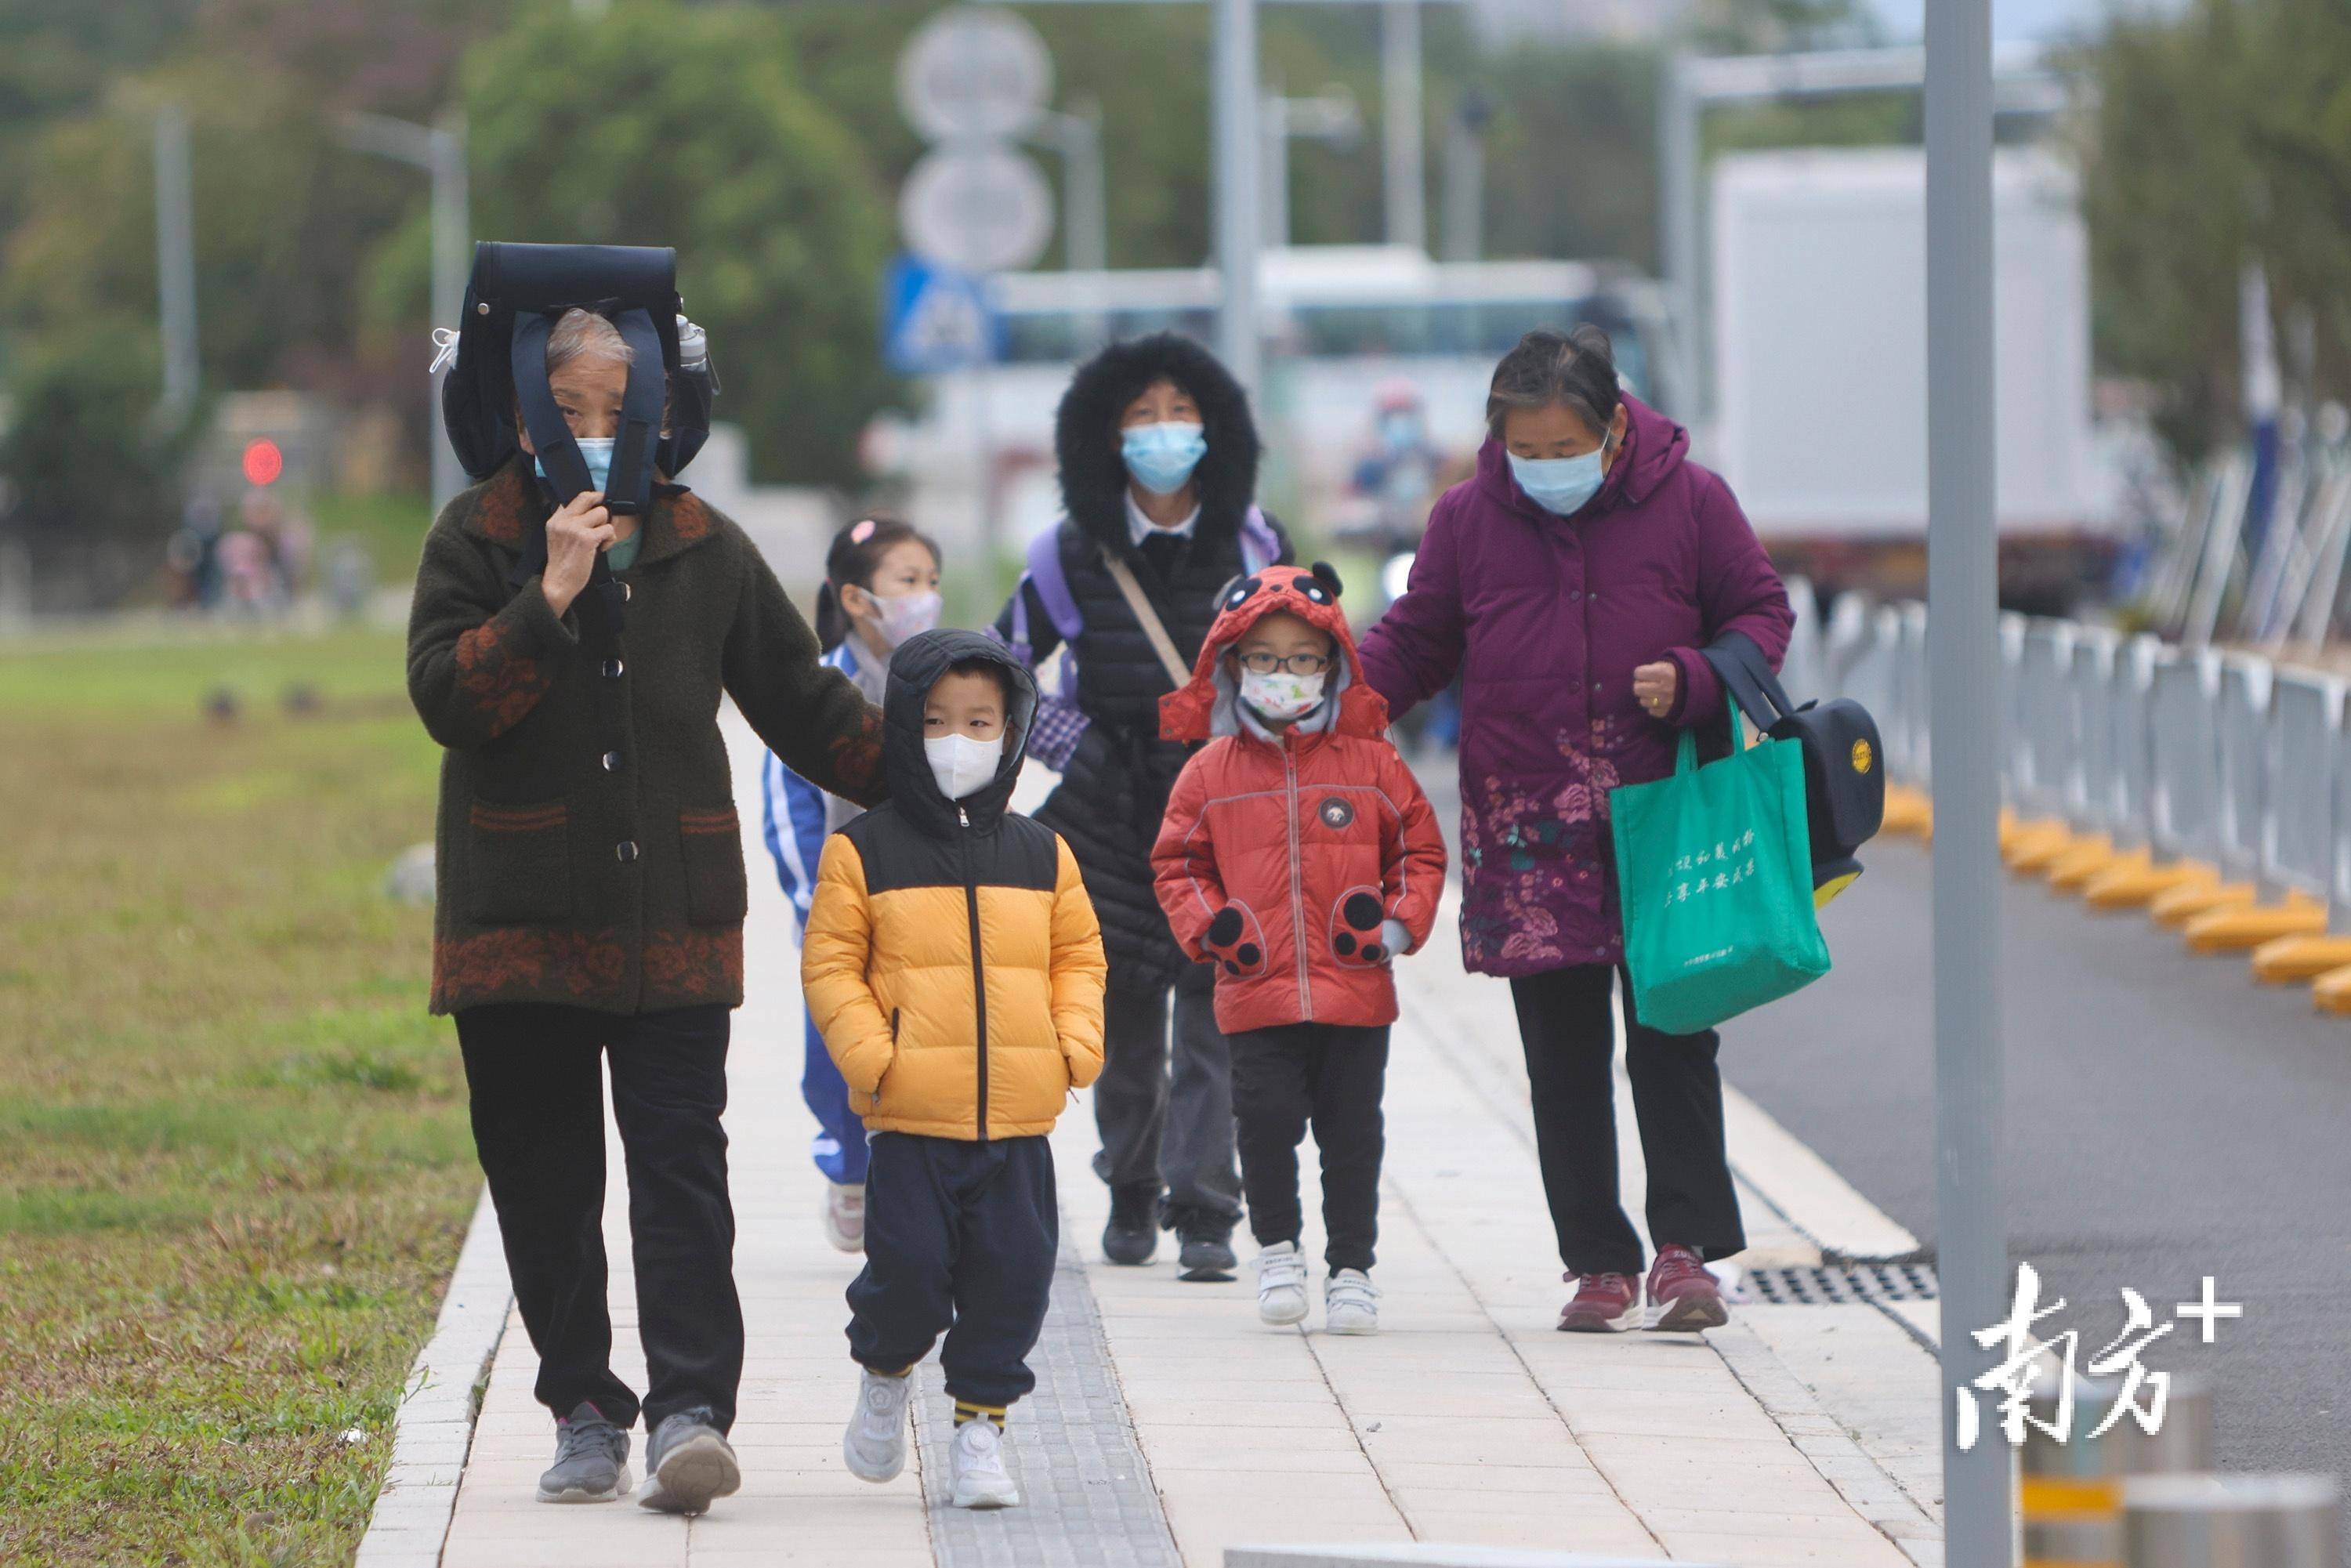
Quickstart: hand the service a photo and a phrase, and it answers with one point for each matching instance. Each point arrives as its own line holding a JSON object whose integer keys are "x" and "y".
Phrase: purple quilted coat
{"x": 1546, "y": 618}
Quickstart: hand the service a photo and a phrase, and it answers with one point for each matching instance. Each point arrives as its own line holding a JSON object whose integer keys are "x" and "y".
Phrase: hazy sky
{"x": 2018, "y": 19}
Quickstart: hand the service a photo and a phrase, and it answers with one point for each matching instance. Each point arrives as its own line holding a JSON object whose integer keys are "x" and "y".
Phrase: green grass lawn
{"x": 234, "y": 1161}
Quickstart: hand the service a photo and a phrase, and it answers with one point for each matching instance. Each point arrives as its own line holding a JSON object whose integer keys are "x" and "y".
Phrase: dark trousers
{"x": 960, "y": 1240}
{"x": 538, "y": 1124}
{"x": 1331, "y": 1075}
{"x": 1570, "y": 1037}
{"x": 1163, "y": 1119}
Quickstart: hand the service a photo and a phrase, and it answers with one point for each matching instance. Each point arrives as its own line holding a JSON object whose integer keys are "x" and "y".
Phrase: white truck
{"x": 1819, "y": 354}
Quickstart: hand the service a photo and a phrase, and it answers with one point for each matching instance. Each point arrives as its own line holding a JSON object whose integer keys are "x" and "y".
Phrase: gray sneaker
{"x": 687, "y": 1463}
{"x": 591, "y": 1460}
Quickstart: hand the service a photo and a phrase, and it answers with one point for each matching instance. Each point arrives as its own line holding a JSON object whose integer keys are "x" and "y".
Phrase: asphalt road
{"x": 2166, "y": 1119}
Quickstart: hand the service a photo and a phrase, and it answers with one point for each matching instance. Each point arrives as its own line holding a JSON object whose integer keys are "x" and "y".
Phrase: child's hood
{"x": 914, "y": 669}
{"x": 1206, "y": 704}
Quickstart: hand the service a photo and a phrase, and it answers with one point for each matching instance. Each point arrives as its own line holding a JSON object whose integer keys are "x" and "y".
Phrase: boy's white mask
{"x": 962, "y": 765}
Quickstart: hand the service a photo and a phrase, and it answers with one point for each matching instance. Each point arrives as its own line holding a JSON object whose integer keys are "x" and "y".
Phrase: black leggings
{"x": 1570, "y": 1038}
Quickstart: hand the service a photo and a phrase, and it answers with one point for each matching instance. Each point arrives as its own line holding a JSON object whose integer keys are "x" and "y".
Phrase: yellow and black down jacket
{"x": 952, "y": 960}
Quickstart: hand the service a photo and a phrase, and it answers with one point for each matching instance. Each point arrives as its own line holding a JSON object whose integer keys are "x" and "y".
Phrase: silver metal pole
{"x": 176, "y": 261}
{"x": 1274, "y": 181}
{"x": 1088, "y": 209}
{"x": 1233, "y": 92}
{"x": 1400, "y": 123}
{"x": 1677, "y": 221}
{"x": 452, "y": 260}
{"x": 1963, "y": 589}
{"x": 1465, "y": 191}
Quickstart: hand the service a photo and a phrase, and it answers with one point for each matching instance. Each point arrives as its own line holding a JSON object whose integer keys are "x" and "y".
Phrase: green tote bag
{"x": 1715, "y": 868}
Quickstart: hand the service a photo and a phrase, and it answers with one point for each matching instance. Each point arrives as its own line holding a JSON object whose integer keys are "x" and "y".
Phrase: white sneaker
{"x": 1281, "y": 1284}
{"x": 975, "y": 1463}
{"x": 844, "y": 1215}
{"x": 1351, "y": 1303}
{"x": 874, "y": 1446}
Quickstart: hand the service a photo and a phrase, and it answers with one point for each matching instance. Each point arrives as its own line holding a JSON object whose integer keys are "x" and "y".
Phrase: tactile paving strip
{"x": 1086, "y": 1497}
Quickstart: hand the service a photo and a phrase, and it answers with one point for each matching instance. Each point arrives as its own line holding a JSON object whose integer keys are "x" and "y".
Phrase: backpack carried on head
{"x": 1060, "y": 724}
{"x": 516, "y": 295}
{"x": 1844, "y": 762}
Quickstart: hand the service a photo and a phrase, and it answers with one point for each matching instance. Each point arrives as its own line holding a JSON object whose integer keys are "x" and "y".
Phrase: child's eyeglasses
{"x": 1264, "y": 664}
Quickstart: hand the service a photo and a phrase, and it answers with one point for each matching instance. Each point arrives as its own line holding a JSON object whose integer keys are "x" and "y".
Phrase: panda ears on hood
{"x": 1238, "y": 589}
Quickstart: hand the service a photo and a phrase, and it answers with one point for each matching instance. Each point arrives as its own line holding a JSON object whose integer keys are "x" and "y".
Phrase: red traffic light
{"x": 263, "y": 461}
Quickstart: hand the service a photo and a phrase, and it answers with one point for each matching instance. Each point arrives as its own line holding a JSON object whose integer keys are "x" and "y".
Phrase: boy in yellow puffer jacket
{"x": 954, "y": 967}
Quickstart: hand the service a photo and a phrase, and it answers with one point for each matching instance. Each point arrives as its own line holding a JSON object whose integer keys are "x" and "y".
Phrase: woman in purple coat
{"x": 1572, "y": 583}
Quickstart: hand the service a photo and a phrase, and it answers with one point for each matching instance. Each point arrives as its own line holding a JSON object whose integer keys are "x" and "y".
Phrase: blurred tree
{"x": 93, "y": 484}
{"x": 658, "y": 124}
{"x": 2213, "y": 139}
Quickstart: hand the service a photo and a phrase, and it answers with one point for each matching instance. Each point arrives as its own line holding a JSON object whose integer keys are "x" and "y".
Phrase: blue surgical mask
{"x": 1562, "y": 484}
{"x": 1162, "y": 456}
{"x": 596, "y": 450}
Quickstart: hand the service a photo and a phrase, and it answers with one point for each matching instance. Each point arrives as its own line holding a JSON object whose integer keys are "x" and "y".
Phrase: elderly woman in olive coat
{"x": 590, "y": 904}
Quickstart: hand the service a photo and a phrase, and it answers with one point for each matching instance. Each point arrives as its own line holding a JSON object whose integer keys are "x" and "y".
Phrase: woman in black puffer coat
{"x": 1137, "y": 486}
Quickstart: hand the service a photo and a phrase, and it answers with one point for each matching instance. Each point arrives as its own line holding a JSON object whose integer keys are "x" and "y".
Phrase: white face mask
{"x": 1282, "y": 697}
{"x": 961, "y": 764}
{"x": 903, "y": 615}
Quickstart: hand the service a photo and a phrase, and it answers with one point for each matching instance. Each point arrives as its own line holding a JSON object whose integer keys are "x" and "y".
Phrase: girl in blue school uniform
{"x": 881, "y": 587}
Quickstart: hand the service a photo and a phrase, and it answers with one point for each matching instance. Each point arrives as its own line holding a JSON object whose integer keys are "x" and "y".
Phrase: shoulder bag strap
{"x": 1148, "y": 618}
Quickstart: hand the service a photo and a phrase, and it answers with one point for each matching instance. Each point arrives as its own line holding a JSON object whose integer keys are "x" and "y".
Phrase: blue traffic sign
{"x": 934, "y": 319}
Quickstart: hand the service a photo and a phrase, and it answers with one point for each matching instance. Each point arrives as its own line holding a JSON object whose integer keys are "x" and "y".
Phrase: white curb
{"x": 435, "y": 1428}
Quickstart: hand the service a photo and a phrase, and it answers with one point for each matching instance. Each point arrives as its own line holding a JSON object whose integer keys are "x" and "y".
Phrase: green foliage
{"x": 657, "y": 124}
{"x": 2221, "y": 138}
{"x": 81, "y": 453}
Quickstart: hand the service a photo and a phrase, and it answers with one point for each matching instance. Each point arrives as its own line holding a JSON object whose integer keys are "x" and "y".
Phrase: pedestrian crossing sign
{"x": 935, "y": 319}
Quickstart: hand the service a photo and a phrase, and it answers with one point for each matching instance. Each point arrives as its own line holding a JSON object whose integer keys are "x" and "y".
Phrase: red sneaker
{"x": 1688, "y": 1297}
{"x": 1603, "y": 1303}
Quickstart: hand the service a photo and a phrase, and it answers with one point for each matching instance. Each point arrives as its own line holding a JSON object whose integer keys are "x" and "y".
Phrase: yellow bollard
{"x": 2232, "y": 929}
{"x": 2186, "y": 901}
{"x": 2089, "y": 858}
{"x": 2034, "y": 845}
{"x": 1908, "y": 809}
{"x": 2135, "y": 885}
{"x": 2331, "y": 993}
{"x": 2070, "y": 1495}
{"x": 2286, "y": 959}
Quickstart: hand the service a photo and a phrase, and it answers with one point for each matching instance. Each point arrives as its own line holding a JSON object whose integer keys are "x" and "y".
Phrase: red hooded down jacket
{"x": 1279, "y": 859}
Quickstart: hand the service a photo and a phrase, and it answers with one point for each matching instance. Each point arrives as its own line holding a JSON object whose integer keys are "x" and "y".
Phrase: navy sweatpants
{"x": 960, "y": 1240}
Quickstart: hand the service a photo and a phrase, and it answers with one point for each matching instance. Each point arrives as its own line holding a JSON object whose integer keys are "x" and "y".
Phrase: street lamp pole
{"x": 440, "y": 150}
{"x": 1963, "y": 633}
{"x": 1233, "y": 91}
{"x": 175, "y": 262}
{"x": 1400, "y": 123}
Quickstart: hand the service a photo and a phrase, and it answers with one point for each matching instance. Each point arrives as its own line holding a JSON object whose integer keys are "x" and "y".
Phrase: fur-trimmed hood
{"x": 1085, "y": 436}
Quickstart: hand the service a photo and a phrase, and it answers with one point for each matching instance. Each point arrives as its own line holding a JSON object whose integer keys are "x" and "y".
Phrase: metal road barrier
{"x": 2213, "y": 787}
{"x": 2131, "y": 811}
{"x": 2069, "y": 1492}
{"x": 2242, "y": 734}
{"x": 2299, "y": 831}
{"x": 2092, "y": 705}
{"x": 2232, "y": 1522}
{"x": 2043, "y": 748}
{"x": 2184, "y": 817}
{"x": 1804, "y": 671}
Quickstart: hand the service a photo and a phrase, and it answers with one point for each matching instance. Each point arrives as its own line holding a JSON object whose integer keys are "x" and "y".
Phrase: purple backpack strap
{"x": 1052, "y": 585}
{"x": 1260, "y": 546}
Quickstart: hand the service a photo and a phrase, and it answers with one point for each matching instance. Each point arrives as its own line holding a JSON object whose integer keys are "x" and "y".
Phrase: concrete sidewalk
{"x": 1172, "y": 1425}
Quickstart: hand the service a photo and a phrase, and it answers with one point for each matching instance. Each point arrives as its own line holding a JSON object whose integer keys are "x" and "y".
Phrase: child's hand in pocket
{"x": 1394, "y": 940}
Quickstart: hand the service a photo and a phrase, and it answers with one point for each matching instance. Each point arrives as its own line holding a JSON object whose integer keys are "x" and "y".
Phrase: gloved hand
{"x": 1394, "y": 940}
